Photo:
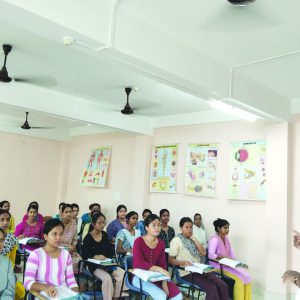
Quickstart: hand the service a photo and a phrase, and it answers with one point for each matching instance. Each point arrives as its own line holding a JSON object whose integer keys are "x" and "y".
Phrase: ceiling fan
{"x": 26, "y": 125}
{"x": 45, "y": 81}
{"x": 127, "y": 110}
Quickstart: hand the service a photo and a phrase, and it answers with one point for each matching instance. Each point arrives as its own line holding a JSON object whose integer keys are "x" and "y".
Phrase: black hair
{"x": 197, "y": 214}
{"x": 146, "y": 210}
{"x": 96, "y": 216}
{"x": 32, "y": 206}
{"x": 34, "y": 203}
{"x": 3, "y": 202}
{"x": 91, "y": 206}
{"x": 1, "y": 230}
{"x": 66, "y": 205}
{"x": 120, "y": 207}
{"x": 162, "y": 211}
{"x": 75, "y": 205}
{"x": 4, "y": 211}
{"x": 219, "y": 223}
{"x": 61, "y": 204}
{"x": 185, "y": 220}
{"x": 150, "y": 219}
{"x": 52, "y": 223}
{"x": 130, "y": 214}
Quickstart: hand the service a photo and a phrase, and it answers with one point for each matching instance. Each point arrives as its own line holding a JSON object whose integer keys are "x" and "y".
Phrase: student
{"x": 7, "y": 276}
{"x": 126, "y": 237}
{"x": 198, "y": 230}
{"x": 39, "y": 217}
{"x": 149, "y": 254}
{"x": 31, "y": 227}
{"x": 50, "y": 266}
{"x": 75, "y": 208}
{"x": 140, "y": 224}
{"x": 118, "y": 224}
{"x": 58, "y": 216}
{"x": 6, "y": 206}
{"x": 96, "y": 246}
{"x": 87, "y": 217}
{"x": 70, "y": 237}
{"x": 219, "y": 247}
{"x": 167, "y": 233}
{"x": 185, "y": 249}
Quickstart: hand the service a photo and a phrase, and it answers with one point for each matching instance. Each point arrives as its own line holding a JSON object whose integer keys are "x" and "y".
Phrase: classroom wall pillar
{"x": 277, "y": 208}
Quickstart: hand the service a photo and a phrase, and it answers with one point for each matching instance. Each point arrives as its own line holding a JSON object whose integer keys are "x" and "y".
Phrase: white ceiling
{"x": 178, "y": 55}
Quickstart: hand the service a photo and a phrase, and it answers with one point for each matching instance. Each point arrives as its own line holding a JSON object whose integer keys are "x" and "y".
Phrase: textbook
{"x": 106, "y": 261}
{"x": 230, "y": 262}
{"x": 62, "y": 293}
{"x": 198, "y": 268}
{"x": 27, "y": 240}
{"x": 149, "y": 275}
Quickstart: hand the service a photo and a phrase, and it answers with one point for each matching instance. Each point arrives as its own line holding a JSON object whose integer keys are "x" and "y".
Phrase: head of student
{"x": 221, "y": 226}
{"x": 164, "y": 216}
{"x": 197, "y": 219}
{"x": 121, "y": 212}
{"x": 53, "y": 231}
{"x": 75, "y": 208}
{"x": 4, "y": 219}
{"x": 34, "y": 203}
{"x": 67, "y": 212}
{"x": 186, "y": 226}
{"x": 95, "y": 207}
{"x": 60, "y": 206}
{"x": 146, "y": 213}
{"x": 152, "y": 225}
{"x": 32, "y": 212}
{"x": 132, "y": 218}
{"x": 98, "y": 221}
{"x": 5, "y": 205}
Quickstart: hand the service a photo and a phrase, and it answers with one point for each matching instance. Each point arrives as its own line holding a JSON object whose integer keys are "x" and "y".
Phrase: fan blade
{"x": 42, "y": 127}
{"x": 44, "y": 81}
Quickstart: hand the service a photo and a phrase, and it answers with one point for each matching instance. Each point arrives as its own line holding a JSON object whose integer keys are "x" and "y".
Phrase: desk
{"x": 37, "y": 295}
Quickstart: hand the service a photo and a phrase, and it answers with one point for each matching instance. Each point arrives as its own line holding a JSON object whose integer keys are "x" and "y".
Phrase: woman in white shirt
{"x": 198, "y": 230}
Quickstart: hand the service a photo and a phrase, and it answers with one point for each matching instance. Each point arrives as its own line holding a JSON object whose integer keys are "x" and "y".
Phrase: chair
{"x": 31, "y": 295}
{"x": 128, "y": 276}
{"x": 182, "y": 283}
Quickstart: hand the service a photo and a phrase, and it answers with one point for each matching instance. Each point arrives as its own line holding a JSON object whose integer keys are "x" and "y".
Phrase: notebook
{"x": 106, "y": 261}
{"x": 198, "y": 268}
{"x": 149, "y": 275}
{"x": 25, "y": 241}
{"x": 63, "y": 293}
{"x": 230, "y": 262}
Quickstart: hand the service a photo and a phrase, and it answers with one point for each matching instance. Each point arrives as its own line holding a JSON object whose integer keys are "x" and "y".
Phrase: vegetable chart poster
{"x": 247, "y": 178}
{"x": 200, "y": 171}
{"x": 163, "y": 176}
{"x": 95, "y": 172}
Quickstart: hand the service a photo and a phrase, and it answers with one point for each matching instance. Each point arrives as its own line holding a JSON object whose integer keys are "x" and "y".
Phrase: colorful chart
{"x": 247, "y": 178}
{"x": 163, "y": 176}
{"x": 200, "y": 170}
{"x": 96, "y": 168}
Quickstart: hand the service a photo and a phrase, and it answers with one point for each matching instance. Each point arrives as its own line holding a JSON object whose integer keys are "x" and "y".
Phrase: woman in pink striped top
{"x": 50, "y": 266}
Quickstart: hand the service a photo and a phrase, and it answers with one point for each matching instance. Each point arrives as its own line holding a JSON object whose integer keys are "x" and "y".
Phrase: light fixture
{"x": 230, "y": 109}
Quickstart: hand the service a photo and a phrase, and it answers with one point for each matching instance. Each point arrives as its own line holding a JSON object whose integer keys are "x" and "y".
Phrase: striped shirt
{"x": 42, "y": 268}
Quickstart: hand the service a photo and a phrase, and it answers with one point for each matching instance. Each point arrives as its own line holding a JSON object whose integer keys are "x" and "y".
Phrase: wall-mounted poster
{"x": 200, "y": 170}
{"x": 96, "y": 168}
{"x": 163, "y": 176}
{"x": 247, "y": 178}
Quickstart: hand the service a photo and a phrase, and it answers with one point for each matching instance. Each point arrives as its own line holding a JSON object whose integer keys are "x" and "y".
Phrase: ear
{"x": 45, "y": 237}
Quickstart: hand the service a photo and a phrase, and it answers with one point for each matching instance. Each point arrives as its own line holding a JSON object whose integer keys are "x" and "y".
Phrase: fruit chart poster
{"x": 200, "y": 170}
{"x": 163, "y": 177}
{"x": 95, "y": 172}
{"x": 247, "y": 178}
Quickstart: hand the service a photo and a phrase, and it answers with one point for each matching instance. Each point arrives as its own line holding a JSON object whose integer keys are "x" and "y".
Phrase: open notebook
{"x": 231, "y": 263}
{"x": 63, "y": 293}
{"x": 27, "y": 240}
{"x": 106, "y": 261}
{"x": 198, "y": 268}
{"x": 149, "y": 275}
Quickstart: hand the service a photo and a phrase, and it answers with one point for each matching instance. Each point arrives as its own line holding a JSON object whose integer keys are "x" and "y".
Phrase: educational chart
{"x": 200, "y": 170}
{"x": 163, "y": 176}
{"x": 247, "y": 178}
{"x": 96, "y": 168}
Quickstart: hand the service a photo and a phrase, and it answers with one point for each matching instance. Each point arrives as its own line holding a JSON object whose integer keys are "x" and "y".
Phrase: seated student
{"x": 126, "y": 237}
{"x": 39, "y": 217}
{"x": 31, "y": 227}
{"x": 10, "y": 248}
{"x": 58, "y": 216}
{"x": 7, "y": 276}
{"x": 69, "y": 237}
{"x": 167, "y": 233}
{"x": 6, "y": 206}
{"x": 118, "y": 224}
{"x": 87, "y": 217}
{"x": 96, "y": 246}
{"x": 198, "y": 230}
{"x": 75, "y": 208}
{"x": 50, "y": 266}
{"x": 219, "y": 247}
{"x": 140, "y": 224}
{"x": 185, "y": 249}
{"x": 149, "y": 254}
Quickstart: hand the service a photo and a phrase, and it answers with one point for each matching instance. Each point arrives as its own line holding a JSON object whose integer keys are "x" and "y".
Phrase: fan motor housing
{"x": 240, "y": 2}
